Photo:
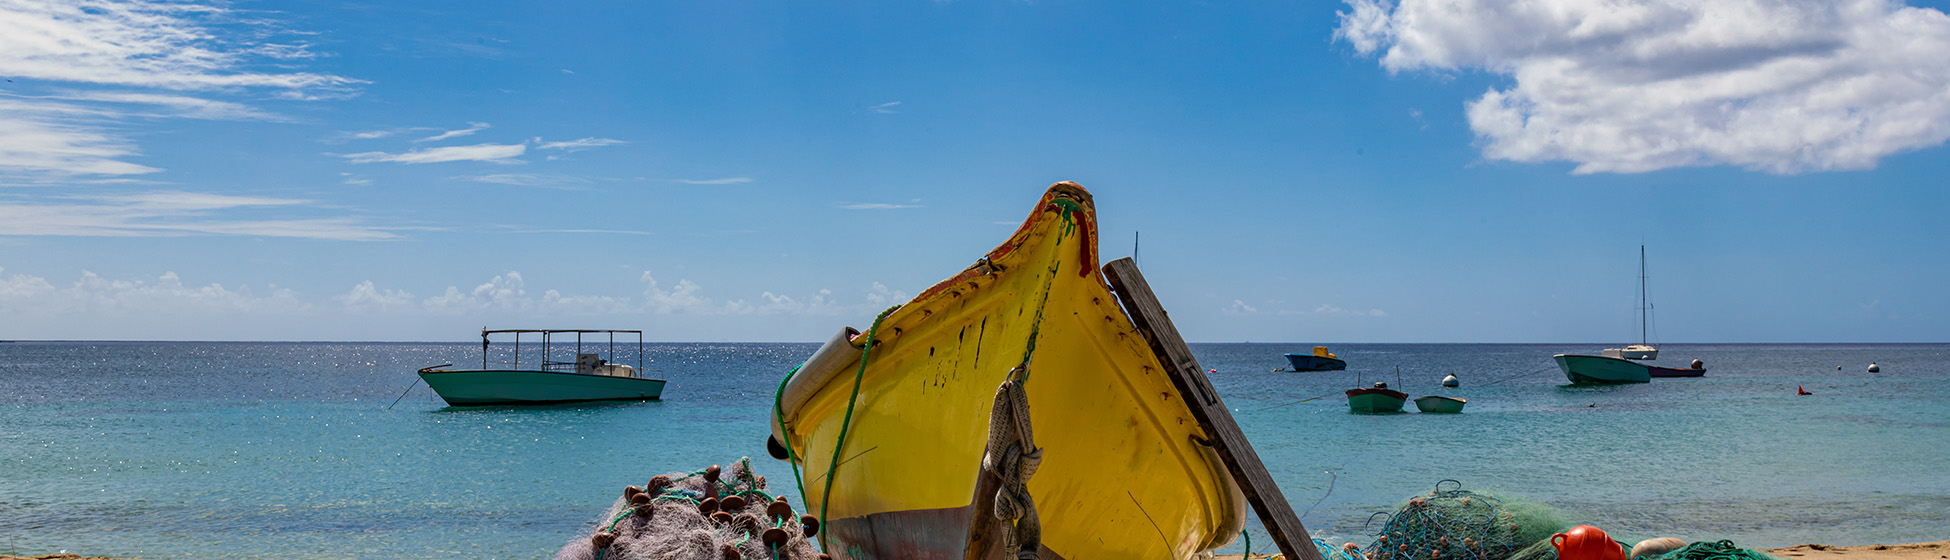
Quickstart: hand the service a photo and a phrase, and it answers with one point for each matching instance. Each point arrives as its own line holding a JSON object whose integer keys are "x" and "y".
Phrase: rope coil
{"x": 1013, "y": 457}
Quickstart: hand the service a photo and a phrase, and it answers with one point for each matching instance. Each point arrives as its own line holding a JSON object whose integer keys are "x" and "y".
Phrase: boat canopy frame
{"x": 547, "y": 334}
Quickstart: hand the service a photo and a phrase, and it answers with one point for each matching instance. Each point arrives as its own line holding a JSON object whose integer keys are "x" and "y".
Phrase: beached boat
{"x": 1600, "y": 370}
{"x": 1320, "y": 360}
{"x": 1376, "y": 399}
{"x": 1123, "y": 472}
{"x": 1644, "y": 350}
{"x": 591, "y": 377}
{"x": 1443, "y": 405}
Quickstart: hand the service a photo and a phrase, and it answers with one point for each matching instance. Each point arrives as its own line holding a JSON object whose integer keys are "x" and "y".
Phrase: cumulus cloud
{"x": 24, "y": 295}
{"x": 1626, "y": 87}
{"x": 498, "y": 153}
{"x": 1239, "y": 307}
{"x": 169, "y": 299}
{"x": 365, "y": 296}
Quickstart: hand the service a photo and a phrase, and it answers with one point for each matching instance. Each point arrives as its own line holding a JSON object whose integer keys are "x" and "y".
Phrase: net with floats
{"x": 1455, "y": 524}
{"x": 711, "y": 514}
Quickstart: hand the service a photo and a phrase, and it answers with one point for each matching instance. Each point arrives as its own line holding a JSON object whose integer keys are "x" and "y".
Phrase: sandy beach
{"x": 1938, "y": 550}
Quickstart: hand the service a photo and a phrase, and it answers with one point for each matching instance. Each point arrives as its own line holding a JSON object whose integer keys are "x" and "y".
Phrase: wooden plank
{"x": 1230, "y": 443}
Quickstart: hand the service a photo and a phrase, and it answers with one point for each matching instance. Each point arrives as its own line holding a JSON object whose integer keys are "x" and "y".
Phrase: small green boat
{"x": 591, "y": 377}
{"x": 1600, "y": 370}
{"x": 1440, "y": 405}
{"x": 1374, "y": 400}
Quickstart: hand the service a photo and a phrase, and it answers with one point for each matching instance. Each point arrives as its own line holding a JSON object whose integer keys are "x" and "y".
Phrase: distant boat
{"x": 589, "y": 378}
{"x": 1643, "y": 350}
{"x": 1442, "y": 405}
{"x": 1375, "y": 399}
{"x": 1320, "y": 360}
{"x": 1697, "y": 370}
{"x": 1600, "y": 370}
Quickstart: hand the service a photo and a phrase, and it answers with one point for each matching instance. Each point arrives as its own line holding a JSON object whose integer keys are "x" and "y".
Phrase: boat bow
{"x": 1123, "y": 473}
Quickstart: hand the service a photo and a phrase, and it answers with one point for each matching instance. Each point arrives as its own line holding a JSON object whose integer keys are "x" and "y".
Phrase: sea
{"x": 334, "y": 450}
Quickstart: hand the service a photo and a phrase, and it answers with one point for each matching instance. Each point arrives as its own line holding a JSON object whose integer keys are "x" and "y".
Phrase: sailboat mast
{"x": 1643, "y": 303}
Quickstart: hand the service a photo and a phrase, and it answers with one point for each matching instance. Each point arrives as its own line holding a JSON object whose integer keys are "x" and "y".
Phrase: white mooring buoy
{"x": 1451, "y": 381}
{"x": 1873, "y": 368}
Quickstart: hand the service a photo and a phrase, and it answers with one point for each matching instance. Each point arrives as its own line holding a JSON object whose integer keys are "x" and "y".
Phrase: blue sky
{"x": 1410, "y": 171}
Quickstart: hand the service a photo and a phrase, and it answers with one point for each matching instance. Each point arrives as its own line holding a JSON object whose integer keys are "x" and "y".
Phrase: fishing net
{"x": 1716, "y": 550}
{"x": 1456, "y": 524}
{"x": 711, "y": 514}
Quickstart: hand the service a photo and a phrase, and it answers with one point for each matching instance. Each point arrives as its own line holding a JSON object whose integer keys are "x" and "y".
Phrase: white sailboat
{"x": 1644, "y": 350}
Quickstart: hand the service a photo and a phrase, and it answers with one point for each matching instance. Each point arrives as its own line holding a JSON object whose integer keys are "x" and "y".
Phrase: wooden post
{"x": 1230, "y": 443}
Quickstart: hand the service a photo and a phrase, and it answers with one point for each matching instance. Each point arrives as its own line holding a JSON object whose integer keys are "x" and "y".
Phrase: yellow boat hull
{"x": 1123, "y": 474}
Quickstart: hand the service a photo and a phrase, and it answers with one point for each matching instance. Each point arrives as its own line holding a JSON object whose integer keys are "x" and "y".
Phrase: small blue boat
{"x": 1320, "y": 360}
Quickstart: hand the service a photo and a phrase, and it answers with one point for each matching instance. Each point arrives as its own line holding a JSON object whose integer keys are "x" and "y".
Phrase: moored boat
{"x": 1656, "y": 371}
{"x": 1376, "y": 399}
{"x": 1644, "y": 350}
{"x": 1320, "y": 360}
{"x": 1442, "y": 405}
{"x": 891, "y": 425}
{"x": 1600, "y": 370}
{"x": 591, "y": 377}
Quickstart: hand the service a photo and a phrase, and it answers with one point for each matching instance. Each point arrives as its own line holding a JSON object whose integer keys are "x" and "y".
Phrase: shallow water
{"x": 246, "y": 450}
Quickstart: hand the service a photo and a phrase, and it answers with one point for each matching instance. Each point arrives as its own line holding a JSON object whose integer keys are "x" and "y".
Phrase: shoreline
{"x": 1935, "y": 550}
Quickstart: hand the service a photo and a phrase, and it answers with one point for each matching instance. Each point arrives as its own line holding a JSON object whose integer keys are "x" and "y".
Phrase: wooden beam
{"x": 1230, "y": 443}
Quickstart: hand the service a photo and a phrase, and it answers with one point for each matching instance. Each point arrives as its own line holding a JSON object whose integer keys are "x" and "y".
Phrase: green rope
{"x": 839, "y": 445}
{"x": 778, "y": 414}
{"x": 1249, "y": 544}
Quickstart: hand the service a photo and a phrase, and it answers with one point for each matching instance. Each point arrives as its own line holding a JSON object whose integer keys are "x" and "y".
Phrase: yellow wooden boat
{"x": 1123, "y": 472}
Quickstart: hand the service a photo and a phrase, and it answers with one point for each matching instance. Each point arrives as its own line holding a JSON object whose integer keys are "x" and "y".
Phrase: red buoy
{"x": 1800, "y": 391}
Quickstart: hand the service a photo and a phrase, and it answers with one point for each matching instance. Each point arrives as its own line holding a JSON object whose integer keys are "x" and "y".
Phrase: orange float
{"x": 1585, "y": 542}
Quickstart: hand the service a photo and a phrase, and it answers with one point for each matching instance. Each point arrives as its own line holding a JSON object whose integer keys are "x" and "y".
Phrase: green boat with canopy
{"x": 591, "y": 376}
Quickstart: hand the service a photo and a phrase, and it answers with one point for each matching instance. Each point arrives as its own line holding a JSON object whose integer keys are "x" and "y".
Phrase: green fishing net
{"x": 1455, "y": 524}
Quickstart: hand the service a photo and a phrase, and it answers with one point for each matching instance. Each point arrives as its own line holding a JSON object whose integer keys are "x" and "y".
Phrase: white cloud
{"x": 171, "y": 214}
{"x": 1625, "y": 87}
{"x": 498, "y": 153}
{"x": 1330, "y": 309}
{"x": 723, "y": 181}
{"x": 875, "y": 206}
{"x": 179, "y": 105}
{"x": 881, "y": 296}
{"x": 526, "y": 180}
{"x": 472, "y": 127}
{"x": 23, "y": 295}
{"x": 131, "y": 44}
{"x": 885, "y": 108}
{"x": 577, "y": 145}
{"x": 1239, "y": 307}
{"x": 52, "y": 139}
{"x": 141, "y": 43}
{"x": 367, "y": 297}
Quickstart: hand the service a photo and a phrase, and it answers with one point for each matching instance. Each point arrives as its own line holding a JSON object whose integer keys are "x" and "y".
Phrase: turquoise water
{"x": 202, "y": 450}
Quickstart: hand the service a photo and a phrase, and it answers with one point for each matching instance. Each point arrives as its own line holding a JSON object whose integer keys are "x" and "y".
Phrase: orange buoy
{"x": 1585, "y": 542}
